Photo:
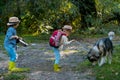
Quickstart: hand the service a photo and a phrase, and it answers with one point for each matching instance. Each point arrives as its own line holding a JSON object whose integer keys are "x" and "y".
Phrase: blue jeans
{"x": 12, "y": 52}
{"x": 57, "y": 55}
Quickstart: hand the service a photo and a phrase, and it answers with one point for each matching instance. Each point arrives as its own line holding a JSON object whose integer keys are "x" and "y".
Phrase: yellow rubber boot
{"x": 56, "y": 68}
{"x": 12, "y": 67}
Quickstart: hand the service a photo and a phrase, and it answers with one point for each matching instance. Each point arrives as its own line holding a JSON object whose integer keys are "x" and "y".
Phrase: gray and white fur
{"x": 102, "y": 50}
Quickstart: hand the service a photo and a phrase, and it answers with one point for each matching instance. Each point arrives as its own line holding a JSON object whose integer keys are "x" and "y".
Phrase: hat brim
{"x": 12, "y": 23}
{"x": 67, "y": 28}
{"x": 8, "y": 24}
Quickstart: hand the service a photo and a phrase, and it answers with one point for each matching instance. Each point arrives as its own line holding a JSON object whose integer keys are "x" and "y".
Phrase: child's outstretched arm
{"x": 65, "y": 40}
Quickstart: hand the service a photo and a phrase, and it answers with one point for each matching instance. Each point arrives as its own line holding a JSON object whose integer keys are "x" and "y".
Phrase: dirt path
{"x": 40, "y": 58}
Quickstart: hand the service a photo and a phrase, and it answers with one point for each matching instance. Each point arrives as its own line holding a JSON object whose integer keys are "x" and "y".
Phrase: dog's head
{"x": 93, "y": 54}
{"x": 111, "y": 35}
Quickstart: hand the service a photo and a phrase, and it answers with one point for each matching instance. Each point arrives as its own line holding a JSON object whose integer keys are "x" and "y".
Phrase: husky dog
{"x": 102, "y": 50}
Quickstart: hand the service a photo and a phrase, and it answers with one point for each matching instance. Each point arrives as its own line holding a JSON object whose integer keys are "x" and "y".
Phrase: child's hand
{"x": 14, "y": 37}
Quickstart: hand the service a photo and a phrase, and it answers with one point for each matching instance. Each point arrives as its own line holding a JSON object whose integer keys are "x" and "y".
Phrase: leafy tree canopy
{"x": 38, "y": 16}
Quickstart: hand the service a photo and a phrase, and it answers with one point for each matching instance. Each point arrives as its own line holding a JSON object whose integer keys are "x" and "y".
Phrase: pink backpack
{"x": 55, "y": 38}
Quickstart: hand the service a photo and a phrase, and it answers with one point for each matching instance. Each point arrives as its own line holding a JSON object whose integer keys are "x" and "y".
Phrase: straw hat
{"x": 67, "y": 27}
{"x": 13, "y": 20}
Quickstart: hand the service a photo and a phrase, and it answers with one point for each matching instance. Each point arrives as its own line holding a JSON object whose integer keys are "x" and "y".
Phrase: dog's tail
{"x": 111, "y": 35}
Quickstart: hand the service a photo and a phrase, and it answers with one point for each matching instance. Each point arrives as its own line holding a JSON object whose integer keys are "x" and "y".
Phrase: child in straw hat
{"x": 10, "y": 44}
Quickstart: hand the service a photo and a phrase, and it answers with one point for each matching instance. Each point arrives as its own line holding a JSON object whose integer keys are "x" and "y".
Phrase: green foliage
{"x": 107, "y": 8}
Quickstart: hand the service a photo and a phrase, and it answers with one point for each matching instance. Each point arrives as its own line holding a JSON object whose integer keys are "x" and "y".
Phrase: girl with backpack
{"x": 57, "y": 41}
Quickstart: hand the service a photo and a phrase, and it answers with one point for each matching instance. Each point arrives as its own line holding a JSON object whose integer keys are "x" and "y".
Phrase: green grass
{"x": 36, "y": 39}
{"x": 14, "y": 76}
{"x": 1, "y": 41}
{"x": 110, "y": 71}
{"x": 107, "y": 71}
